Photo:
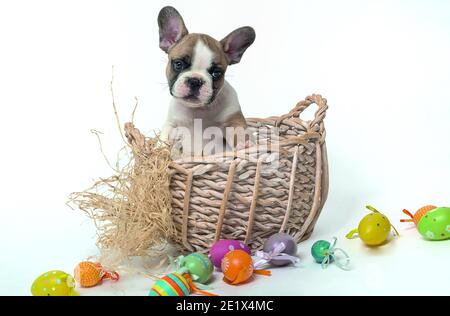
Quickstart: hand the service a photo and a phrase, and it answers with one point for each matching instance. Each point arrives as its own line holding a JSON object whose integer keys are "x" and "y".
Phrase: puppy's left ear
{"x": 237, "y": 42}
{"x": 171, "y": 28}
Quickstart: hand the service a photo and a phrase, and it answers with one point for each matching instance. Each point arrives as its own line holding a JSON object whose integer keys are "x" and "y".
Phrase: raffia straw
{"x": 100, "y": 145}
{"x": 132, "y": 208}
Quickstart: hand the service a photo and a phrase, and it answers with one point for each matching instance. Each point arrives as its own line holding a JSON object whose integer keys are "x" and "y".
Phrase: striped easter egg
{"x": 172, "y": 284}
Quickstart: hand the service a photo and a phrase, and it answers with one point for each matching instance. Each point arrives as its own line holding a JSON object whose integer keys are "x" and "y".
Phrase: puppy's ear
{"x": 171, "y": 28}
{"x": 235, "y": 44}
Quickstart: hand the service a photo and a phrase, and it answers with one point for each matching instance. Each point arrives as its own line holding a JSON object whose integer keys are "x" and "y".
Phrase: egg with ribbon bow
{"x": 175, "y": 284}
{"x": 197, "y": 265}
{"x": 374, "y": 229}
{"x": 88, "y": 274}
{"x": 279, "y": 250}
{"x": 237, "y": 267}
{"x": 418, "y": 214}
{"x": 325, "y": 253}
{"x": 320, "y": 250}
{"x": 435, "y": 225}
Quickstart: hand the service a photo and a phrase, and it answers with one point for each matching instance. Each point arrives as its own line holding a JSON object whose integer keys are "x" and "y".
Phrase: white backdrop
{"x": 383, "y": 66}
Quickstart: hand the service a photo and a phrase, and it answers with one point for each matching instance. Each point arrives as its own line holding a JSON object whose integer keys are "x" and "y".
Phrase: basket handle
{"x": 317, "y": 122}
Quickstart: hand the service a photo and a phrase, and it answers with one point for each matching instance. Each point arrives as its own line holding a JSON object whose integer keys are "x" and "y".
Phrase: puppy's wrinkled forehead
{"x": 200, "y": 50}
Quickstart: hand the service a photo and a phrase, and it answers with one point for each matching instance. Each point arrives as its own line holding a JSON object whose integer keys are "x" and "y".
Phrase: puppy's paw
{"x": 248, "y": 142}
{"x": 243, "y": 145}
{"x": 176, "y": 151}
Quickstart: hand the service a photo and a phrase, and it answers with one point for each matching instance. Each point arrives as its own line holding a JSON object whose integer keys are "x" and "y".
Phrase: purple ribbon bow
{"x": 264, "y": 258}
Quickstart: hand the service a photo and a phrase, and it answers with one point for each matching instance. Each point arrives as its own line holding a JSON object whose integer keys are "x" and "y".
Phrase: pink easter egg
{"x": 222, "y": 247}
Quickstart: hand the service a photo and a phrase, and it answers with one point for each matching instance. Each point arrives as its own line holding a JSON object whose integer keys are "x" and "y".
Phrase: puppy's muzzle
{"x": 194, "y": 85}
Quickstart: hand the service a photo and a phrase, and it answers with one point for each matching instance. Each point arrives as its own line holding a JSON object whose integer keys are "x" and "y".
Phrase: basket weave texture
{"x": 278, "y": 185}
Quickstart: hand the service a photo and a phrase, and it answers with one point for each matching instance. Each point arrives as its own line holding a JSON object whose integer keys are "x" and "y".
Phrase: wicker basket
{"x": 278, "y": 185}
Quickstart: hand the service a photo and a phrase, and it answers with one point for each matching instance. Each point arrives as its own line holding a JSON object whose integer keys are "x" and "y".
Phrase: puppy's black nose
{"x": 194, "y": 83}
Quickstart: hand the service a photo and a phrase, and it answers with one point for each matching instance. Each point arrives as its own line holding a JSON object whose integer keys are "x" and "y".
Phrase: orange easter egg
{"x": 88, "y": 274}
{"x": 418, "y": 215}
{"x": 237, "y": 267}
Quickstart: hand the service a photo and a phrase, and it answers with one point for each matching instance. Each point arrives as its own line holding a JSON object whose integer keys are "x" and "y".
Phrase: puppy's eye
{"x": 178, "y": 65}
{"x": 216, "y": 74}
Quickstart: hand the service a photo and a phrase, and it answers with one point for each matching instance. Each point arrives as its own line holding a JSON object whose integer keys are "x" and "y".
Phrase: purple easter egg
{"x": 289, "y": 244}
{"x": 222, "y": 247}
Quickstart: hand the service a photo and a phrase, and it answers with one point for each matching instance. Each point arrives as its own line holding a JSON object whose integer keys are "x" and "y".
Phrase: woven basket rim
{"x": 315, "y": 126}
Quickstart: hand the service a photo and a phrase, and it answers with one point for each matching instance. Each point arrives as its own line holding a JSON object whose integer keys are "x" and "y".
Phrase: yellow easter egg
{"x": 54, "y": 283}
{"x": 374, "y": 229}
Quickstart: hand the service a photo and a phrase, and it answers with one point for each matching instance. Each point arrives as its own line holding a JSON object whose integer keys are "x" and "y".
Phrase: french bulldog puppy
{"x": 204, "y": 113}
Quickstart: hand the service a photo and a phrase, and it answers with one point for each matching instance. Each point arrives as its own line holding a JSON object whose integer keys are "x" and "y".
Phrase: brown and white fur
{"x": 195, "y": 73}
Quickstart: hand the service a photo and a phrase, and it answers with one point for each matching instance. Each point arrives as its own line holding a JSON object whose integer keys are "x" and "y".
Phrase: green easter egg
{"x": 435, "y": 225}
{"x": 199, "y": 267}
{"x": 320, "y": 250}
{"x": 54, "y": 283}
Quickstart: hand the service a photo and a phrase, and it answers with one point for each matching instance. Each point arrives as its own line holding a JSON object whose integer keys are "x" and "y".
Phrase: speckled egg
{"x": 374, "y": 229}
{"x": 435, "y": 225}
{"x": 54, "y": 283}
{"x": 289, "y": 244}
{"x": 224, "y": 246}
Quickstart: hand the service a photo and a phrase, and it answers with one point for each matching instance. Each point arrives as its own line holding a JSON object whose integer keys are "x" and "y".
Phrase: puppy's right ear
{"x": 171, "y": 28}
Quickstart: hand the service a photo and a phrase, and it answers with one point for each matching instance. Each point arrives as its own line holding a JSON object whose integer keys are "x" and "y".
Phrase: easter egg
{"x": 54, "y": 283}
{"x": 435, "y": 225}
{"x": 319, "y": 250}
{"x": 88, "y": 274}
{"x": 222, "y": 247}
{"x": 418, "y": 215}
{"x": 237, "y": 267}
{"x": 374, "y": 229}
{"x": 199, "y": 267}
{"x": 290, "y": 247}
{"x": 173, "y": 284}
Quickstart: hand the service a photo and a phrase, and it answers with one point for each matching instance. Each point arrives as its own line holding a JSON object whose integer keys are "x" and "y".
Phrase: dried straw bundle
{"x": 132, "y": 208}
